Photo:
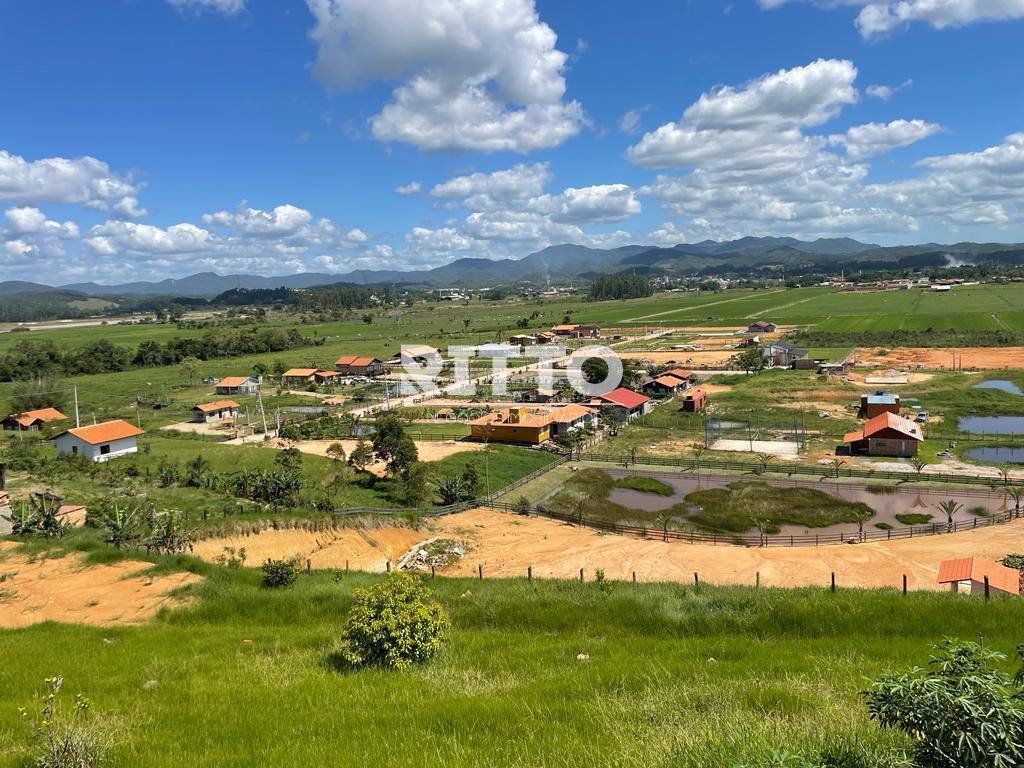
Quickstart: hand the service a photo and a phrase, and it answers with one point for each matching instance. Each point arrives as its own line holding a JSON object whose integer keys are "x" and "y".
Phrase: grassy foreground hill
{"x": 535, "y": 674}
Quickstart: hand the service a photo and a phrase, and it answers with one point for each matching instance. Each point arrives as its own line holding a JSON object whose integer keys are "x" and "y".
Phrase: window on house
{"x": 105, "y": 449}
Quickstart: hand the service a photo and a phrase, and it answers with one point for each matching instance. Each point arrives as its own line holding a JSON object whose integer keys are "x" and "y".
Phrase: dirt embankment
{"x": 427, "y": 450}
{"x": 66, "y": 589}
{"x": 505, "y": 545}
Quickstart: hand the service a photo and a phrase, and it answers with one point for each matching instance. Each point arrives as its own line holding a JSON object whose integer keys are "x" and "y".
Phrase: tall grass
{"x": 676, "y": 675}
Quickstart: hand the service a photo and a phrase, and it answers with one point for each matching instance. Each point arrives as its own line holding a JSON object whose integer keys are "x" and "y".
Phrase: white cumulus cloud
{"x": 473, "y": 75}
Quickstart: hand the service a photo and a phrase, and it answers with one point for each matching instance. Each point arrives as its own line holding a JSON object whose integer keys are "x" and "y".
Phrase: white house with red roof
{"x": 623, "y": 404}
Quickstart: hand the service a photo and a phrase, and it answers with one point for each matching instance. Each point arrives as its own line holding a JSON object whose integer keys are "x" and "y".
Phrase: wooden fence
{"x": 821, "y": 471}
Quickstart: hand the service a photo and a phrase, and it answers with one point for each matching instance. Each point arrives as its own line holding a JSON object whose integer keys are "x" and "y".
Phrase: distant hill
{"x": 558, "y": 264}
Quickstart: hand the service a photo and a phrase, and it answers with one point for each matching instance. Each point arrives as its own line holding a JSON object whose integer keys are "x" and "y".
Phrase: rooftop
{"x": 976, "y": 569}
{"x": 627, "y": 398}
{"x": 95, "y": 434}
{"x": 217, "y": 405}
{"x": 887, "y": 420}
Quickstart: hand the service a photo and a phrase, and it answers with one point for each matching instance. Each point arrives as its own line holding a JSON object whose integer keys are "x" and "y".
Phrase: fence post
{"x": 346, "y": 566}
{"x": 387, "y": 565}
{"x": 309, "y": 565}
{"x": 433, "y": 572}
{"x": 581, "y": 575}
{"x": 634, "y": 579}
{"x": 696, "y": 578}
{"x": 529, "y": 573}
{"x": 480, "y": 571}
{"x": 904, "y": 583}
{"x": 757, "y": 580}
{"x": 986, "y": 589}
{"x": 833, "y": 581}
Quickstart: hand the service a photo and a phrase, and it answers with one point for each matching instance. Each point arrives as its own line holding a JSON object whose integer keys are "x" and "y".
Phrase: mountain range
{"x": 559, "y": 264}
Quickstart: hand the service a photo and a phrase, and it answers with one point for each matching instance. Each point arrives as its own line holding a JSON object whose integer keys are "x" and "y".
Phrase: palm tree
{"x": 949, "y": 509}
{"x": 698, "y": 451}
{"x": 837, "y": 465}
{"x": 197, "y": 472}
{"x": 763, "y": 526}
{"x": 1017, "y": 494}
{"x": 763, "y": 460}
{"x": 919, "y": 467}
{"x": 862, "y": 514}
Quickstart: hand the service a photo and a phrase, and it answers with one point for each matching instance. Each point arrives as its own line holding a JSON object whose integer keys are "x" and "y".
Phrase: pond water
{"x": 999, "y": 454}
{"x": 895, "y": 501}
{"x": 1000, "y": 384}
{"x": 992, "y": 425}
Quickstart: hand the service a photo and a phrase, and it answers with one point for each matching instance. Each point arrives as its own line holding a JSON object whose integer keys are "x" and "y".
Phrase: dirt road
{"x": 505, "y": 545}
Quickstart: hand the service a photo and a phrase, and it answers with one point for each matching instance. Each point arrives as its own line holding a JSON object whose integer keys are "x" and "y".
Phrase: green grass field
{"x": 673, "y": 676}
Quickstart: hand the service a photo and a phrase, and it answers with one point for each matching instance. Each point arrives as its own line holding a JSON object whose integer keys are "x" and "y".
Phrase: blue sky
{"x": 156, "y": 138}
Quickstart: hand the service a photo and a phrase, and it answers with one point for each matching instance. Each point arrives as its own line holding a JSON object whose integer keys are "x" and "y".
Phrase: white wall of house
{"x": 103, "y": 452}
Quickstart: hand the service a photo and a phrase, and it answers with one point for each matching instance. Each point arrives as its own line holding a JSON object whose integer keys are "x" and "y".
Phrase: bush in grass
{"x": 962, "y": 711}
{"x": 394, "y": 624}
{"x": 65, "y": 740}
{"x": 278, "y": 574}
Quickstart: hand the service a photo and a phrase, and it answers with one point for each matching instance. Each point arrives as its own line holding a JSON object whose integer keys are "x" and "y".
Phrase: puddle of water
{"x": 992, "y": 425}
{"x": 886, "y": 505}
{"x": 1000, "y": 454}
{"x": 1001, "y": 384}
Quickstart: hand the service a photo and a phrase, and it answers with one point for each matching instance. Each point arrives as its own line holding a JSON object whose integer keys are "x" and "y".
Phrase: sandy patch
{"x": 673, "y": 448}
{"x": 708, "y": 359}
{"x": 429, "y": 450}
{"x": 64, "y": 589}
{"x": 912, "y": 378}
{"x": 363, "y": 549}
{"x": 212, "y": 428}
{"x": 506, "y": 544}
{"x": 832, "y": 409}
{"x": 968, "y": 358}
{"x": 714, "y": 389}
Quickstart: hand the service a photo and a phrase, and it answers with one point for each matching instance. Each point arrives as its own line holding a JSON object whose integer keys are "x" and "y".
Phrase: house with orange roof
{"x": 32, "y": 421}
{"x": 565, "y": 329}
{"x": 511, "y": 425}
{"x": 694, "y": 401}
{"x": 545, "y": 337}
{"x": 887, "y": 434}
{"x": 571, "y": 417}
{"x": 354, "y": 365}
{"x": 99, "y": 442}
{"x": 219, "y": 410}
{"x": 237, "y": 385}
{"x": 663, "y": 386}
{"x": 968, "y": 574}
{"x": 297, "y": 377}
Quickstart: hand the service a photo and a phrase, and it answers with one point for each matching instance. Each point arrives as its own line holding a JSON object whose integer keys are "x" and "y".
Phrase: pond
{"x": 887, "y": 504}
{"x": 999, "y": 454}
{"x": 1000, "y": 384}
{"x": 992, "y": 425}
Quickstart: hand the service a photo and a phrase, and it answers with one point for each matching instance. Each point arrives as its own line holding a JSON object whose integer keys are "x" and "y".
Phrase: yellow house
{"x": 511, "y": 425}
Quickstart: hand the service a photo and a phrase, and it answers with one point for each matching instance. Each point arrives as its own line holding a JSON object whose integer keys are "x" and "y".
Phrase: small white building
{"x": 237, "y": 385}
{"x": 100, "y": 442}
{"x": 205, "y": 413}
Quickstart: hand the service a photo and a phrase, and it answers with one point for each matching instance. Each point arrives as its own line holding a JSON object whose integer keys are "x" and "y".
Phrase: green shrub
{"x": 914, "y": 518}
{"x": 278, "y": 574}
{"x": 394, "y": 624}
{"x": 62, "y": 740}
{"x": 645, "y": 485}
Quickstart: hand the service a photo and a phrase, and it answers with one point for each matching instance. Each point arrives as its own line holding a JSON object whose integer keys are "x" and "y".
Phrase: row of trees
{"x": 620, "y": 287}
{"x": 41, "y": 358}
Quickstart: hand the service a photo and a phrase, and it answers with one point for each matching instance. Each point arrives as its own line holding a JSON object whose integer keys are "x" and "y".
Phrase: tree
{"x": 862, "y": 513}
{"x": 449, "y": 489}
{"x": 1017, "y": 494}
{"x": 763, "y": 460}
{"x": 190, "y": 367}
{"x": 919, "y": 466}
{"x": 392, "y": 446}
{"x": 394, "y": 624}
{"x": 120, "y": 526}
{"x": 416, "y": 484}
{"x": 962, "y": 711}
{"x": 362, "y": 454}
{"x": 336, "y": 451}
{"x": 752, "y": 360}
{"x": 949, "y": 508}
{"x": 198, "y": 472}
{"x": 521, "y": 506}
{"x": 39, "y": 392}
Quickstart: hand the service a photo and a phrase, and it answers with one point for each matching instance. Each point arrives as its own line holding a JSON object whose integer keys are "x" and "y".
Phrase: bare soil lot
{"x": 429, "y": 450}
{"x": 505, "y": 545}
{"x": 65, "y": 589}
{"x": 969, "y": 358}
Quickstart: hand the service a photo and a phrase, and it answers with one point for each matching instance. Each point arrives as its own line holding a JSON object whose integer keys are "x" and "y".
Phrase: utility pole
{"x": 263, "y": 413}
{"x": 78, "y": 421}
